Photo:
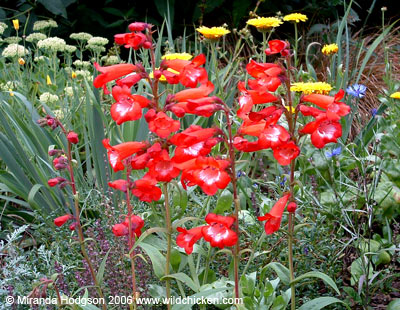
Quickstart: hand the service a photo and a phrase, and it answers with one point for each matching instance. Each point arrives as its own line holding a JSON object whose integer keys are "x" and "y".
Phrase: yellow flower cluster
{"x": 213, "y": 33}
{"x": 295, "y": 17}
{"x": 264, "y": 23}
{"x": 184, "y": 56}
{"x": 395, "y": 95}
{"x": 329, "y": 49}
{"x": 311, "y": 88}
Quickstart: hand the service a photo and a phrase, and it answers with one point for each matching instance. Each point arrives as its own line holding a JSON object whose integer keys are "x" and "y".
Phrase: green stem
{"x": 296, "y": 58}
{"x": 291, "y": 268}
{"x": 236, "y": 258}
{"x": 169, "y": 243}
{"x": 131, "y": 240}
{"x": 264, "y": 56}
{"x": 78, "y": 220}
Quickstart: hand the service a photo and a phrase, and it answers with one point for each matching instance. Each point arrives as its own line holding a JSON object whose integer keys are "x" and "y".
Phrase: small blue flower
{"x": 335, "y": 152}
{"x": 357, "y": 90}
{"x": 255, "y": 185}
{"x": 373, "y": 112}
{"x": 283, "y": 181}
{"x": 240, "y": 173}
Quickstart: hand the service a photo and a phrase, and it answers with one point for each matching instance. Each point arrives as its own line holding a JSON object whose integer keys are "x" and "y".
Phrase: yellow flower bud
{"x": 11, "y": 92}
{"x": 73, "y": 74}
{"x": 21, "y": 61}
{"x": 15, "y": 23}
{"x": 48, "y": 80}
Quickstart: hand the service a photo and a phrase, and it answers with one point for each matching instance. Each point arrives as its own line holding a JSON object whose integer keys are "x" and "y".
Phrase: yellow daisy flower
{"x": 395, "y": 95}
{"x": 263, "y": 23}
{"x": 213, "y": 33}
{"x": 183, "y": 56}
{"x": 293, "y": 109}
{"x": 329, "y": 49}
{"x": 295, "y": 17}
{"x": 311, "y": 88}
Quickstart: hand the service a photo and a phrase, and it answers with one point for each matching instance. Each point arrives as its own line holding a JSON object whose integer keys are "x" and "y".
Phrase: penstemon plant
{"x": 169, "y": 154}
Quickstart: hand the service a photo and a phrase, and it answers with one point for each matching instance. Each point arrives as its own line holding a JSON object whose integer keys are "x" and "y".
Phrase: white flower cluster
{"x": 41, "y": 59}
{"x": 110, "y": 60}
{"x": 12, "y": 40}
{"x": 69, "y": 91}
{"x": 81, "y": 36}
{"x": 84, "y": 74}
{"x": 14, "y": 50}
{"x": 3, "y": 26}
{"x": 98, "y": 41}
{"x": 35, "y": 36}
{"x": 52, "y": 44}
{"x": 82, "y": 64}
{"x": 10, "y": 85}
{"x": 48, "y": 98}
{"x": 70, "y": 48}
{"x": 44, "y": 24}
{"x": 96, "y": 48}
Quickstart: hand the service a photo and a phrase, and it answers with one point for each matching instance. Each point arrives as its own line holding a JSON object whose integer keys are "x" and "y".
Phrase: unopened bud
{"x": 292, "y": 206}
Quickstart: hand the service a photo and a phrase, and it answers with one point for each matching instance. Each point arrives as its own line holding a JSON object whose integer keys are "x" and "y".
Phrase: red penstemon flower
{"x": 119, "y": 152}
{"x": 323, "y": 131}
{"x": 111, "y": 73}
{"x": 127, "y": 107}
{"x": 277, "y": 46}
{"x": 146, "y": 190}
{"x": 122, "y": 229}
{"x": 161, "y": 124}
{"x": 285, "y": 153}
{"x": 218, "y": 232}
{"x": 274, "y": 217}
{"x": 120, "y": 184}
{"x": 187, "y": 238}
{"x": 207, "y": 172}
{"x": 335, "y": 109}
{"x": 162, "y": 168}
{"x": 61, "y": 220}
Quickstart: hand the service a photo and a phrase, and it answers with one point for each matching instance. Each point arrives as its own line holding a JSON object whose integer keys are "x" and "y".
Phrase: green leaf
{"x": 54, "y": 6}
{"x": 100, "y": 272}
{"x": 394, "y": 305}
{"x": 320, "y": 303}
{"x": 320, "y": 275}
{"x": 157, "y": 259}
{"x": 224, "y": 202}
{"x": 183, "y": 278}
{"x": 282, "y": 272}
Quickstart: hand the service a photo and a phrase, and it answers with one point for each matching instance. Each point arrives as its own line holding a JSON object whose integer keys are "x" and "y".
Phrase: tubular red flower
{"x": 120, "y": 184}
{"x": 244, "y": 145}
{"x": 111, "y": 73}
{"x": 192, "y": 135}
{"x": 274, "y": 136}
{"x": 260, "y": 70}
{"x": 161, "y": 124}
{"x": 136, "y": 222}
{"x": 162, "y": 168}
{"x": 73, "y": 137}
{"x": 206, "y": 172}
{"x": 218, "y": 232}
{"x": 129, "y": 80}
{"x": 335, "y": 109}
{"x": 55, "y": 181}
{"x": 61, "y": 220}
{"x": 277, "y": 46}
{"x": 146, "y": 190}
{"x": 128, "y": 107}
{"x": 120, "y": 230}
{"x": 195, "y": 93}
{"x": 138, "y": 26}
{"x": 117, "y": 153}
{"x": 285, "y": 153}
{"x": 187, "y": 238}
{"x": 322, "y": 132}
{"x": 274, "y": 217}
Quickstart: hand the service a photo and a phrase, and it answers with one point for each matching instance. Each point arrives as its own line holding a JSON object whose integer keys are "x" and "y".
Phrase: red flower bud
{"x": 53, "y": 182}
{"x": 72, "y": 226}
{"x": 73, "y": 137}
{"x": 147, "y": 45}
{"x": 120, "y": 230}
{"x": 61, "y": 220}
{"x": 292, "y": 206}
{"x": 157, "y": 74}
